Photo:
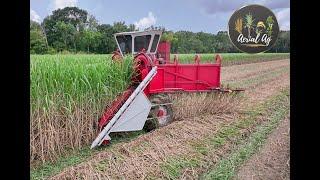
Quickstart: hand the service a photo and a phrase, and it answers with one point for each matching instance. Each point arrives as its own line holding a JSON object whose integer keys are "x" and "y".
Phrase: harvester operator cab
{"x": 136, "y": 41}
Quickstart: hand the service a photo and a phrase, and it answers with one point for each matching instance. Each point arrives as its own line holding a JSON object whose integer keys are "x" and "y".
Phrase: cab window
{"x": 125, "y": 43}
{"x": 141, "y": 42}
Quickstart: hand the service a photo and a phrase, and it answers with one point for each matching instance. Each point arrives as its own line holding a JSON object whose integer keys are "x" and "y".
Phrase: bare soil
{"x": 237, "y": 72}
{"x": 273, "y": 159}
{"x": 260, "y": 93}
{"x": 142, "y": 156}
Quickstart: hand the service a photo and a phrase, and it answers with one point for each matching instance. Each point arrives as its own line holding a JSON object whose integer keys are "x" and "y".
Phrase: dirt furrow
{"x": 264, "y": 90}
{"x": 272, "y": 161}
{"x": 237, "y": 72}
{"x": 142, "y": 157}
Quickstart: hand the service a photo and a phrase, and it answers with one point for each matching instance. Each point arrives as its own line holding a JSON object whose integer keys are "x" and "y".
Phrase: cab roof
{"x": 134, "y": 34}
{"x": 140, "y": 32}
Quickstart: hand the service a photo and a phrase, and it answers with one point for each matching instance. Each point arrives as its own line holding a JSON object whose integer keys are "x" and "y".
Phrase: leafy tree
{"x": 120, "y": 27}
{"x": 37, "y": 39}
{"x": 89, "y": 38}
{"x": 282, "y": 44}
{"x": 107, "y": 42}
{"x": 92, "y": 23}
{"x": 207, "y": 40}
{"x": 67, "y": 34}
{"x": 71, "y": 16}
{"x": 132, "y": 27}
{"x": 73, "y": 29}
{"x": 168, "y": 36}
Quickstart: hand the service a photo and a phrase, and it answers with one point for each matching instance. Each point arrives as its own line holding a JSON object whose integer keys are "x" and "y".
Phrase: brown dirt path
{"x": 266, "y": 89}
{"x": 273, "y": 159}
{"x": 143, "y": 156}
{"x": 237, "y": 72}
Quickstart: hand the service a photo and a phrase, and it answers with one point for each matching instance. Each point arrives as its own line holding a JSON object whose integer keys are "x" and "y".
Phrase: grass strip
{"x": 226, "y": 168}
{"x": 256, "y": 80}
{"x": 173, "y": 167}
{"x": 229, "y": 59}
{"x": 76, "y": 157}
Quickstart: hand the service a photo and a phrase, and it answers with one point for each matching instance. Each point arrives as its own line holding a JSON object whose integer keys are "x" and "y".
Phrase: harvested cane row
{"x": 136, "y": 158}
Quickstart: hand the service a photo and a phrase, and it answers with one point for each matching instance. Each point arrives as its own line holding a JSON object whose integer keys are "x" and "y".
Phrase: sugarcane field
{"x": 145, "y": 102}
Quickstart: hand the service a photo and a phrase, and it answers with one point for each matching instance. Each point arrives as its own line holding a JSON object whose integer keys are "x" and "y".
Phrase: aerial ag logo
{"x": 253, "y": 29}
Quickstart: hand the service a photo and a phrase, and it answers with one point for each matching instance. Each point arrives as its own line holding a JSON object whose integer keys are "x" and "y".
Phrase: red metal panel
{"x": 158, "y": 80}
{"x": 114, "y": 107}
{"x": 186, "y": 77}
{"x": 180, "y": 77}
{"x": 164, "y": 50}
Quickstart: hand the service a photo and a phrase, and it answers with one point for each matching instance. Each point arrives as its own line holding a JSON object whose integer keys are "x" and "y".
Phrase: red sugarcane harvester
{"x": 145, "y": 104}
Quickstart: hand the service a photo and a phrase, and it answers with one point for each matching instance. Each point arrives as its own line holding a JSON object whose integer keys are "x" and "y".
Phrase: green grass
{"x": 68, "y": 95}
{"x": 76, "y": 77}
{"x": 172, "y": 167}
{"x": 255, "y": 80}
{"x": 233, "y": 58}
{"x": 226, "y": 168}
{"x": 75, "y": 157}
{"x": 276, "y": 105}
{"x": 50, "y": 168}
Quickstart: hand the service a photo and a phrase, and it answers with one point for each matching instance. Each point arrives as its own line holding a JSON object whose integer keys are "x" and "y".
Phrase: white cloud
{"x": 283, "y": 17}
{"x": 276, "y": 4}
{"x": 223, "y": 6}
{"x": 56, "y": 4}
{"x": 34, "y": 16}
{"x": 146, "y": 21}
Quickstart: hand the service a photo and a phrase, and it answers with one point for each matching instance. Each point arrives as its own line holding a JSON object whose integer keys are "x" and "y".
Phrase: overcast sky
{"x": 192, "y": 15}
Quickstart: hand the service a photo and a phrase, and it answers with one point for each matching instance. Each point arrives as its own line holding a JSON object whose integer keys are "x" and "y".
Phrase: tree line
{"x": 74, "y": 30}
